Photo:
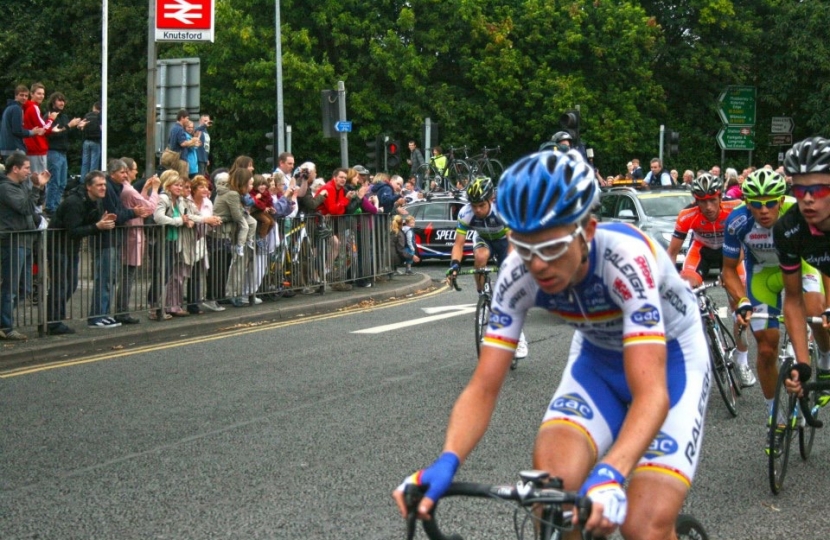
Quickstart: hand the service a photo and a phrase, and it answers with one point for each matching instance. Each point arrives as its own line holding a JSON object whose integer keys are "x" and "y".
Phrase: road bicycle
{"x": 721, "y": 348}
{"x": 291, "y": 262}
{"x": 539, "y": 503}
{"x": 790, "y": 414}
{"x": 486, "y": 165}
{"x": 455, "y": 176}
{"x": 483, "y": 312}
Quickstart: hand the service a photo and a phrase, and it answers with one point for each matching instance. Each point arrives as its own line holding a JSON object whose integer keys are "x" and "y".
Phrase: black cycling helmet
{"x": 481, "y": 189}
{"x": 560, "y": 136}
{"x": 808, "y": 156}
{"x": 706, "y": 185}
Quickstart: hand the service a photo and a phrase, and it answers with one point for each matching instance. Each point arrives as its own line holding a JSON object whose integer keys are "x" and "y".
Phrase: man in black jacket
{"x": 18, "y": 220}
{"x": 81, "y": 214}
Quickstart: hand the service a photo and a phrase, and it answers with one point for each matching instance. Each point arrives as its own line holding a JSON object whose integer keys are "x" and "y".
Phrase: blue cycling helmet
{"x": 545, "y": 190}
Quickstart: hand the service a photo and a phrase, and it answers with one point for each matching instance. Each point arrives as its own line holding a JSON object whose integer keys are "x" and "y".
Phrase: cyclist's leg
{"x": 659, "y": 483}
{"x": 481, "y": 253}
{"x": 576, "y": 429}
{"x": 811, "y": 284}
{"x": 764, "y": 292}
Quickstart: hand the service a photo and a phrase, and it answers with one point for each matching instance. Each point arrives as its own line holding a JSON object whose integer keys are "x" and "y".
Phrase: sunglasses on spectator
{"x": 758, "y": 203}
{"x": 546, "y": 251}
{"x": 817, "y": 191}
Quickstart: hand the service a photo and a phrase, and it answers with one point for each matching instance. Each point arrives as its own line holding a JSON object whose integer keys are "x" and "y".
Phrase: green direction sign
{"x": 737, "y": 138}
{"x": 736, "y": 106}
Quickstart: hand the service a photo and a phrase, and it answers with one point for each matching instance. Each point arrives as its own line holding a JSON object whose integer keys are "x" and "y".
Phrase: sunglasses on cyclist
{"x": 546, "y": 251}
{"x": 758, "y": 204}
{"x": 817, "y": 191}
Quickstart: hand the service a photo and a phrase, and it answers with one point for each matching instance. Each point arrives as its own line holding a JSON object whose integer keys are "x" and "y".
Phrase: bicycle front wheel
{"x": 720, "y": 369}
{"x": 425, "y": 176}
{"x": 729, "y": 348}
{"x": 459, "y": 175}
{"x": 688, "y": 527}
{"x": 482, "y": 318}
{"x": 780, "y": 429}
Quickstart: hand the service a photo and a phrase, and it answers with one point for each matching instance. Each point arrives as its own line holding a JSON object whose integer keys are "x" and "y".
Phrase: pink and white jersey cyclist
{"x": 632, "y": 400}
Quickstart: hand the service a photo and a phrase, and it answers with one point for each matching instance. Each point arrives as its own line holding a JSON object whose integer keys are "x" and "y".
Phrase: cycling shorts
{"x": 593, "y": 396}
{"x": 764, "y": 292}
{"x": 498, "y": 248}
{"x": 701, "y": 259}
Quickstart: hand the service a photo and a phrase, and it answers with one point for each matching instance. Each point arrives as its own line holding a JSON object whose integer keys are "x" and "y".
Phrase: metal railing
{"x": 153, "y": 268}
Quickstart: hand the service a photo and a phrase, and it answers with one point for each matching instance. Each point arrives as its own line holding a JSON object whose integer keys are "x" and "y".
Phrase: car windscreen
{"x": 666, "y": 206}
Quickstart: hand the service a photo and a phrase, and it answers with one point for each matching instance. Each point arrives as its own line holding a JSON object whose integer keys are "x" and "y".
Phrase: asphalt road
{"x": 302, "y": 430}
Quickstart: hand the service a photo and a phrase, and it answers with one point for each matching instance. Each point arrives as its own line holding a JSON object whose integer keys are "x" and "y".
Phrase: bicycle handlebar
{"x": 700, "y": 288}
{"x": 478, "y": 271}
{"x": 524, "y": 494}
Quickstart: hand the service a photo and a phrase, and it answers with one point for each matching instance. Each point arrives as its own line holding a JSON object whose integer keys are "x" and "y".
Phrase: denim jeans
{"x": 63, "y": 282}
{"x": 12, "y": 263}
{"x": 56, "y": 162}
{"x": 102, "y": 284}
{"x": 91, "y": 158}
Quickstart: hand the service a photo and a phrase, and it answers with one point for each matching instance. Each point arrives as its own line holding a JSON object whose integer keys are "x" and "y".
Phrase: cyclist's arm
{"x": 458, "y": 246}
{"x": 731, "y": 280}
{"x": 795, "y": 314}
{"x": 674, "y": 247}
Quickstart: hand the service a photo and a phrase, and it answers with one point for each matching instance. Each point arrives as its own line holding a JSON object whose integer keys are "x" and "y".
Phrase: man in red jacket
{"x": 37, "y": 146}
{"x": 335, "y": 204}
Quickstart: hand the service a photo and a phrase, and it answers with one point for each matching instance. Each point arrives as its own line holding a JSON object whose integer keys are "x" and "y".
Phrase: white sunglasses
{"x": 546, "y": 251}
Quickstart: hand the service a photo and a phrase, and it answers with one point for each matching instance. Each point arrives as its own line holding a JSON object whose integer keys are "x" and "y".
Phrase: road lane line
{"x": 449, "y": 311}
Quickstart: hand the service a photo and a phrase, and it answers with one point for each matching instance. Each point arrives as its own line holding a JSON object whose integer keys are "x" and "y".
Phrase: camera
{"x": 301, "y": 174}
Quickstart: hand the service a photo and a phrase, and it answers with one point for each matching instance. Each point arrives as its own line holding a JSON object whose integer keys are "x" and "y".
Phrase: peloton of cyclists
{"x": 706, "y": 218}
{"x": 631, "y": 403}
{"x": 489, "y": 236}
{"x": 749, "y": 228}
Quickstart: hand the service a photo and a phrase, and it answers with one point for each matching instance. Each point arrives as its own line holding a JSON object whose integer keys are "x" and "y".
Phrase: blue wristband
{"x": 602, "y": 473}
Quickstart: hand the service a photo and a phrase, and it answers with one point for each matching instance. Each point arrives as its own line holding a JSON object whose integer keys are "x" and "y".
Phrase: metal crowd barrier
{"x": 154, "y": 269}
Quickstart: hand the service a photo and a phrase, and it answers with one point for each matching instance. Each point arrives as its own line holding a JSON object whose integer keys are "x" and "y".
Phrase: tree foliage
{"x": 488, "y": 71}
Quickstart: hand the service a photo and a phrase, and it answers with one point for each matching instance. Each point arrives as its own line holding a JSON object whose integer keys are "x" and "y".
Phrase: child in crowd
{"x": 409, "y": 250}
{"x": 262, "y": 209}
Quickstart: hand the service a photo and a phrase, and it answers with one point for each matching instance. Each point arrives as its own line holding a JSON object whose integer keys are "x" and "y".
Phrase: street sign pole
{"x": 344, "y": 136}
{"x": 662, "y": 136}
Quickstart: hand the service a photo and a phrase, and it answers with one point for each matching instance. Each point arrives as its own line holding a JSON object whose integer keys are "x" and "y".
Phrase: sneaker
{"x": 363, "y": 284}
{"x": 242, "y": 300}
{"x": 2, "y": 335}
{"x": 779, "y": 440}
{"x": 289, "y": 293}
{"x": 308, "y": 290}
{"x": 103, "y": 322}
{"x": 408, "y": 273}
{"x": 238, "y": 302}
{"x": 59, "y": 329}
{"x": 823, "y": 396}
{"x": 127, "y": 319}
{"x": 341, "y": 287}
{"x": 745, "y": 376}
{"x": 257, "y": 300}
{"x": 521, "y": 350}
{"x": 14, "y": 335}
{"x": 212, "y": 306}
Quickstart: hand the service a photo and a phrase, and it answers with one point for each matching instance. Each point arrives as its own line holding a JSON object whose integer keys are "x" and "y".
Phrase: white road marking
{"x": 437, "y": 313}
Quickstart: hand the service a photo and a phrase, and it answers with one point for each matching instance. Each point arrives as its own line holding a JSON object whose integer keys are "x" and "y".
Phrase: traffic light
{"x": 674, "y": 143}
{"x": 569, "y": 121}
{"x": 393, "y": 154}
{"x": 272, "y": 148}
{"x": 374, "y": 155}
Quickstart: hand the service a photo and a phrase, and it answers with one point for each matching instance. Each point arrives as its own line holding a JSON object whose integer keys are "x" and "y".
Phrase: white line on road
{"x": 443, "y": 312}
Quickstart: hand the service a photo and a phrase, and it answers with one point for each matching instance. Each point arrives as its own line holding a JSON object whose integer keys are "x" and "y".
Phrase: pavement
{"x": 89, "y": 341}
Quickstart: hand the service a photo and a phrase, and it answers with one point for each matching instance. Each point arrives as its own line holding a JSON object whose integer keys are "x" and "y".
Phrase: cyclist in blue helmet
{"x": 631, "y": 403}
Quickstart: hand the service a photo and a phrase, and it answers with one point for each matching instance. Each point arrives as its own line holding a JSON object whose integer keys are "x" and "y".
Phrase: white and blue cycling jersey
{"x": 632, "y": 294}
{"x": 489, "y": 231}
